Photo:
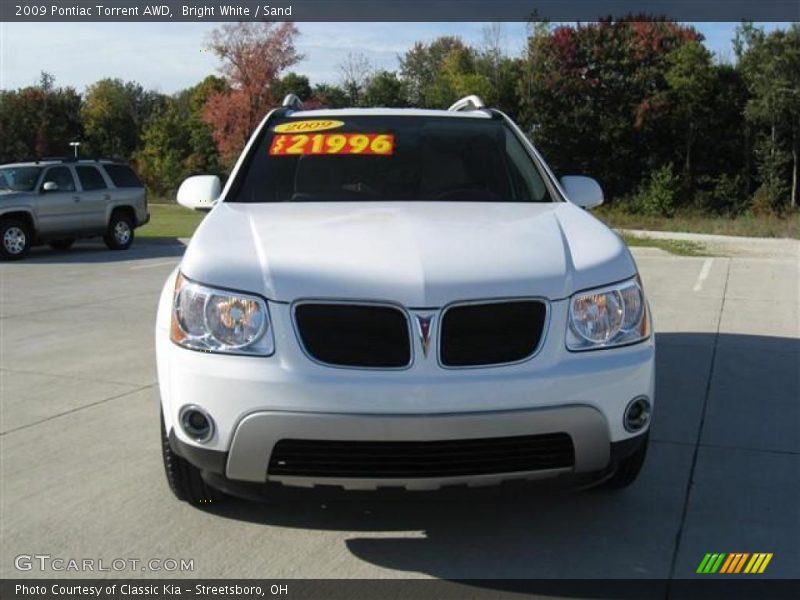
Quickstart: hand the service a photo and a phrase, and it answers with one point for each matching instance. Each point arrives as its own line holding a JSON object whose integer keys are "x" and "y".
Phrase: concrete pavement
{"x": 81, "y": 475}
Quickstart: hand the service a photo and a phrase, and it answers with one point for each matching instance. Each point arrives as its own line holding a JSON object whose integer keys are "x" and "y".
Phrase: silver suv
{"x": 56, "y": 201}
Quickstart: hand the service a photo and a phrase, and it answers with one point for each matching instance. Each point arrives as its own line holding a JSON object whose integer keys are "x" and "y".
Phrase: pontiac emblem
{"x": 424, "y": 329}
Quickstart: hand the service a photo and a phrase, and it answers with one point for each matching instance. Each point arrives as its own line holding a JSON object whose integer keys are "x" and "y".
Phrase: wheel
{"x": 64, "y": 244}
{"x": 184, "y": 479}
{"x": 119, "y": 235}
{"x": 628, "y": 468}
{"x": 16, "y": 239}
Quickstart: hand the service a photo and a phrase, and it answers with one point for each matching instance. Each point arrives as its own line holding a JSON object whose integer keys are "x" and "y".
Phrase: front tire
{"x": 184, "y": 478}
{"x": 119, "y": 235}
{"x": 628, "y": 468}
{"x": 15, "y": 240}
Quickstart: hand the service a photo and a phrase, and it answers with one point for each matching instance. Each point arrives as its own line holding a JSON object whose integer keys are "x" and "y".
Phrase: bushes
{"x": 659, "y": 195}
{"x": 724, "y": 195}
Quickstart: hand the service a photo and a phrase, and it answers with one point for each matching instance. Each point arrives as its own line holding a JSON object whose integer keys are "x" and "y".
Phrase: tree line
{"x": 642, "y": 105}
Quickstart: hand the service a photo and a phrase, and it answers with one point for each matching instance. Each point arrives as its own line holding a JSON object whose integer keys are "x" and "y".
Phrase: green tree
{"x": 420, "y": 70}
{"x": 38, "y": 120}
{"x": 770, "y": 65}
{"x": 690, "y": 76}
{"x": 114, "y": 114}
{"x": 330, "y": 96}
{"x": 594, "y": 98}
{"x": 385, "y": 89}
{"x": 177, "y": 142}
{"x": 292, "y": 83}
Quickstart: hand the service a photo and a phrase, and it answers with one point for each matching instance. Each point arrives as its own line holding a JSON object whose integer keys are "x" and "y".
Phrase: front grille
{"x": 491, "y": 333}
{"x": 450, "y": 458}
{"x": 354, "y": 335}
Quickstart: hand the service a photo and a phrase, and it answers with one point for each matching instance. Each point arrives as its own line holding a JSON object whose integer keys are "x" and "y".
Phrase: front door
{"x": 58, "y": 209}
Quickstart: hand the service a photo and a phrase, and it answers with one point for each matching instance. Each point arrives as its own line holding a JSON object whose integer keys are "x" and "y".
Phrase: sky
{"x": 170, "y": 56}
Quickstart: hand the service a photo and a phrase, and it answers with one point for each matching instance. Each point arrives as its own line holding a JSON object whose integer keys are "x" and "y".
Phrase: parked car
{"x": 402, "y": 298}
{"x": 57, "y": 201}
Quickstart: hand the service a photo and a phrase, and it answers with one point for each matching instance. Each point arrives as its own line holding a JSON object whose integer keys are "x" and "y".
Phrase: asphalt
{"x": 81, "y": 474}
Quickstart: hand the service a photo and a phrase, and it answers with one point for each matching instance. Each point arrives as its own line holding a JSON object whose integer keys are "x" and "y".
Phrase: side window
{"x": 91, "y": 179}
{"x": 62, "y": 177}
{"x": 123, "y": 176}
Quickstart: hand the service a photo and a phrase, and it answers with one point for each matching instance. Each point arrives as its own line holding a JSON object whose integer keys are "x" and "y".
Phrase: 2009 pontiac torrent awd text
{"x": 400, "y": 298}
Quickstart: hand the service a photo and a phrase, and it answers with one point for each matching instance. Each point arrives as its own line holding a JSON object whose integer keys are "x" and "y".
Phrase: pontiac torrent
{"x": 400, "y": 298}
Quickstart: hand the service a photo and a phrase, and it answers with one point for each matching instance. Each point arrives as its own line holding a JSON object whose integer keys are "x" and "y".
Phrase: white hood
{"x": 419, "y": 254}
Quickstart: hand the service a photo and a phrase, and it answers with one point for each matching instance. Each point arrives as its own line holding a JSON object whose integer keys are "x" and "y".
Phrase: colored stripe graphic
{"x": 716, "y": 562}
{"x": 703, "y": 563}
{"x": 765, "y": 563}
{"x": 728, "y": 563}
{"x": 758, "y": 563}
{"x": 741, "y": 562}
{"x": 711, "y": 563}
{"x": 734, "y": 562}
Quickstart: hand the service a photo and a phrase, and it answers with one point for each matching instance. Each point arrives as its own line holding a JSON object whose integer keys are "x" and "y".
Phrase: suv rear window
{"x": 389, "y": 158}
{"x": 91, "y": 179}
{"x": 122, "y": 176}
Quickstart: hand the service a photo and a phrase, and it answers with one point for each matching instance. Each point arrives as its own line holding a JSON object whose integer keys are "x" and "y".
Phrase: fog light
{"x": 196, "y": 423}
{"x": 637, "y": 414}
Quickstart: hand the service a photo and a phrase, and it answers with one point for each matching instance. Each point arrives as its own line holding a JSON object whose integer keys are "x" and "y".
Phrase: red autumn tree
{"x": 253, "y": 57}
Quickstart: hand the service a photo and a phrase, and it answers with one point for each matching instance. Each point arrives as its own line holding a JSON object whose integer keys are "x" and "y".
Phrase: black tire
{"x": 119, "y": 235}
{"x": 184, "y": 479}
{"x": 15, "y": 239}
{"x": 64, "y": 244}
{"x": 628, "y": 468}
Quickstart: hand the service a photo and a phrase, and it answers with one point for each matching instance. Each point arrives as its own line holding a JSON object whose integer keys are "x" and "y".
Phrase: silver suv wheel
{"x": 119, "y": 235}
{"x": 122, "y": 232}
{"x": 14, "y": 240}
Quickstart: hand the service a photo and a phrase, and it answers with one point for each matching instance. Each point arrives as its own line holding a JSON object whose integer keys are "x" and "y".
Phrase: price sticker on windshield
{"x": 374, "y": 144}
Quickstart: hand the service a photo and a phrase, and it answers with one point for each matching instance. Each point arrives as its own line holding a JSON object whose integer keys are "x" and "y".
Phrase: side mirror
{"x": 50, "y": 186}
{"x": 199, "y": 192}
{"x": 583, "y": 191}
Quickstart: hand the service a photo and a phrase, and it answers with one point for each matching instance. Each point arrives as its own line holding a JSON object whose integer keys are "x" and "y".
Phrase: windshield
{"x": 19, "y": 179}
{"x": 389, "y": 158}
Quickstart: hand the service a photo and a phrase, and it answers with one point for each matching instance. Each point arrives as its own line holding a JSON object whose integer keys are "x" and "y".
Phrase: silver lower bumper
{"x": 257, "y": 434}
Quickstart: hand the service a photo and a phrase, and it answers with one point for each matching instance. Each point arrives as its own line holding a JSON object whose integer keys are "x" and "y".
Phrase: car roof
{"x": 48, "y": 162}
{"x": 387, "y": 112}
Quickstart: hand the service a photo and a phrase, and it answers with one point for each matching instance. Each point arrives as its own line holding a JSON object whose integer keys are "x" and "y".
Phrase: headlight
{"x": 204, "y": 318}
{"x": 612, "y": 316}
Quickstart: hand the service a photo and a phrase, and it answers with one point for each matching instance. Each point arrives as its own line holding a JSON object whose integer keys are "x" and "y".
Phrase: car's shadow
{"x": 92, "y": 251}
{"x": 522, "y": 531}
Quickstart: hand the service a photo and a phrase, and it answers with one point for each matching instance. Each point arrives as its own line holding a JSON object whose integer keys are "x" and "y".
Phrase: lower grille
{"x": 491, "y": 333}
{"x": 355, "y": 335}
{"x": 448, "y": 458}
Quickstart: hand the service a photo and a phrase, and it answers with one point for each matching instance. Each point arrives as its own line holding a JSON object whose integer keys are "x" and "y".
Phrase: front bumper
{"x": 249, "y": 458}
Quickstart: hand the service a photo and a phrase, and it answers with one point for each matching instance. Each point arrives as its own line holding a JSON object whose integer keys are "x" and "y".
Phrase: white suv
{"x": 401, "y": 298}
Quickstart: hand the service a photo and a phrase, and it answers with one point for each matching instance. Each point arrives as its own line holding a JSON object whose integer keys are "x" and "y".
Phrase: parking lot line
{"x": 703, "y": 275}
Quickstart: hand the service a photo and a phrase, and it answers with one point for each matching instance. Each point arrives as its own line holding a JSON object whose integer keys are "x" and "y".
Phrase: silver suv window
{"x": 62, "y": 177}
{"x": 91, "y": 179}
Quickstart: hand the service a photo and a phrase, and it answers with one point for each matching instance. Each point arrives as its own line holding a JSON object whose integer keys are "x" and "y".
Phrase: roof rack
{"x": 467, "y": 103}
{"x": 71, "y": 159}
{"x": 293, "y": 102}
